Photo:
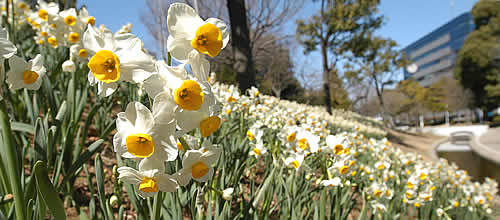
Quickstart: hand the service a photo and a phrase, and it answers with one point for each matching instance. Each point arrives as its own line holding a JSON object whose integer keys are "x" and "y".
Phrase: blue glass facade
{"x": 435, "y": 53}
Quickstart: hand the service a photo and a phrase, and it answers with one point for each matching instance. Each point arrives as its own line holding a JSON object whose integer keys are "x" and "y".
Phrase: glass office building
{"x": 435, "y": 53}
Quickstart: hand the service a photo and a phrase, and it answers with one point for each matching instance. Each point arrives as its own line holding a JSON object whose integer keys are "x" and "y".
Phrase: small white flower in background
{"x": 78, "y": 53}
{"x": 295, "y": 160}
{"x": 69, "y": 66}
{"x": 85, "y": 18}
{"x": 191, "y": 37}
{"x": 47, "y": 12}
{"x": 24, "y": 74}
{"x": 197, "y": 165}
{"x": 115, "y": 58}
{"x": 332, "y": 182}
{"x": 439, "y": 212}
{"x": 335, "y": 143}
{"x": 227, "y": 194}
{"x": 307, "y": 141}
{"x": 258, "y": 149}
{"x": 255, "y": 133}
{"x": 125, "y": 28}
{"x": 380, "y": 165}
{"x": 149, "y": 179}
{"x": 378, "y": 207}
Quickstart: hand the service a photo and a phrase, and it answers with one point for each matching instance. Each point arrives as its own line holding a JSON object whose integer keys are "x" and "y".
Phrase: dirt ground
{"x": 422, "y": 143}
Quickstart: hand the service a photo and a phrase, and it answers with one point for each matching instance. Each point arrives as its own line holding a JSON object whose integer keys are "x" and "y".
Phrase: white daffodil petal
{"x": 106, "y": 89}
{"x": 91, "y": 40}
{"x": 189, "y": 120}
{"x": 179, "y": 48}
{"x": 155, "y": 166}
{"x": 182, "y": 19}
{"x": 191, "y": 157}
{"x": 129, "y": 175}
{"x": 166, "y": 183}
{"x": 212, "y": 155}
{"x": 163, "y": 108}
{"x": 17, "y": 64}
{"x": 154, "y": 85}
{"x": 140, "y": 116}
{"x": 183, "y": 176}
{"x": 7, "y": 48}
{"x": 118, "y": 142}
{"x": 199, "y": 65}
{"x": 36, "y": 63}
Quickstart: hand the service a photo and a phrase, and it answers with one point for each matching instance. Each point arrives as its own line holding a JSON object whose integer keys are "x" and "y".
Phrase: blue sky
{"x": 406, "y": 20}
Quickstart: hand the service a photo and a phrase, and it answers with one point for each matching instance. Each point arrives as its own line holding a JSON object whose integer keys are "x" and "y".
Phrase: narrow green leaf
{"x": 47, "y": 192}
{"x": 263, "y": 189}
{"x": 99, "y": 173}
{"x": 19, "y": 126}
{"x": 30, "y": 189}
{"x": 83, "y": 158}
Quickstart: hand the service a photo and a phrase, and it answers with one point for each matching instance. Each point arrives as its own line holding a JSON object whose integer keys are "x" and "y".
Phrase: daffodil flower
{"x": 143, "y": 134}
{"x": 191, "y": 37}
{"x": 197, "y": 165}
{"x": 24, "y": 74}
{"x": 307, "y": 141}
{"x": 336, "y": 181}
{"x": 206, "y": 118}
{"x": 295, "y": 160}
{"x": 258, "y": 149}
{"x": 47, "y": 12}
{"x": 197, "y": 105}
{"x": 335, "y": 143}
{"x": 85, "y": 18}
{"x": 115, "y": 58}
{"x": 149, "y": 179}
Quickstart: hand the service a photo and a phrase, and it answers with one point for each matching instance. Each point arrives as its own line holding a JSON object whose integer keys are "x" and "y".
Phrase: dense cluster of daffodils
{"x": 335, "y": 150}
{"x": 181, "y": 102}
{"x": 385, "y": 174}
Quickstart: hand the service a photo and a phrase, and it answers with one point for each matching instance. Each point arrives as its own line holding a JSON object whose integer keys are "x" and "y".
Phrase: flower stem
{"x": 157, "y": 206}
{"x": 13, "y": 170}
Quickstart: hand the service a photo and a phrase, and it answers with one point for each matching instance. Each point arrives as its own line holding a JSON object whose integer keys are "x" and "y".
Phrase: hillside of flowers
{"x": 94, "y": 127}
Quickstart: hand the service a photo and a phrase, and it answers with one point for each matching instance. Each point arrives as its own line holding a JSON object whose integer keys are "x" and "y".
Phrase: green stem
{"x": 15, "y": 180}
{"x": 157, "y": 206}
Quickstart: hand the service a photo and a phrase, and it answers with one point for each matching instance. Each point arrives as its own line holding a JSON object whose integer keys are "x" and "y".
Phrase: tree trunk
{"x": 240, "y": 41}
{"x": 326, "y": 78}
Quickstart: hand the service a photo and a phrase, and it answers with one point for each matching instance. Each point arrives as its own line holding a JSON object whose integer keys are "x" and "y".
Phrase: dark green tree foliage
{"x": 336, "y": 25}
{"x": 478, "y": 60}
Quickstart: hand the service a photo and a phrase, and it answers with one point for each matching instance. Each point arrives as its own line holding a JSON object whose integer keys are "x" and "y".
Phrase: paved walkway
{"x": 491, "y": 138}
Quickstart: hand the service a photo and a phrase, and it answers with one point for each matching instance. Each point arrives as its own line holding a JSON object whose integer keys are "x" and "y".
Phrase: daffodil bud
{"x": 69, "y": 66}
{"x": 113, "y": 201}
{"x": 439, "y": 212}
{"x": 115, "y": 172}
{"x": 227, "y": 194}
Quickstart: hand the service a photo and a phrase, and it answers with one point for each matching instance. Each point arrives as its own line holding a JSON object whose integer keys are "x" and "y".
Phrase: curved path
{"x": 491, "y": 138}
